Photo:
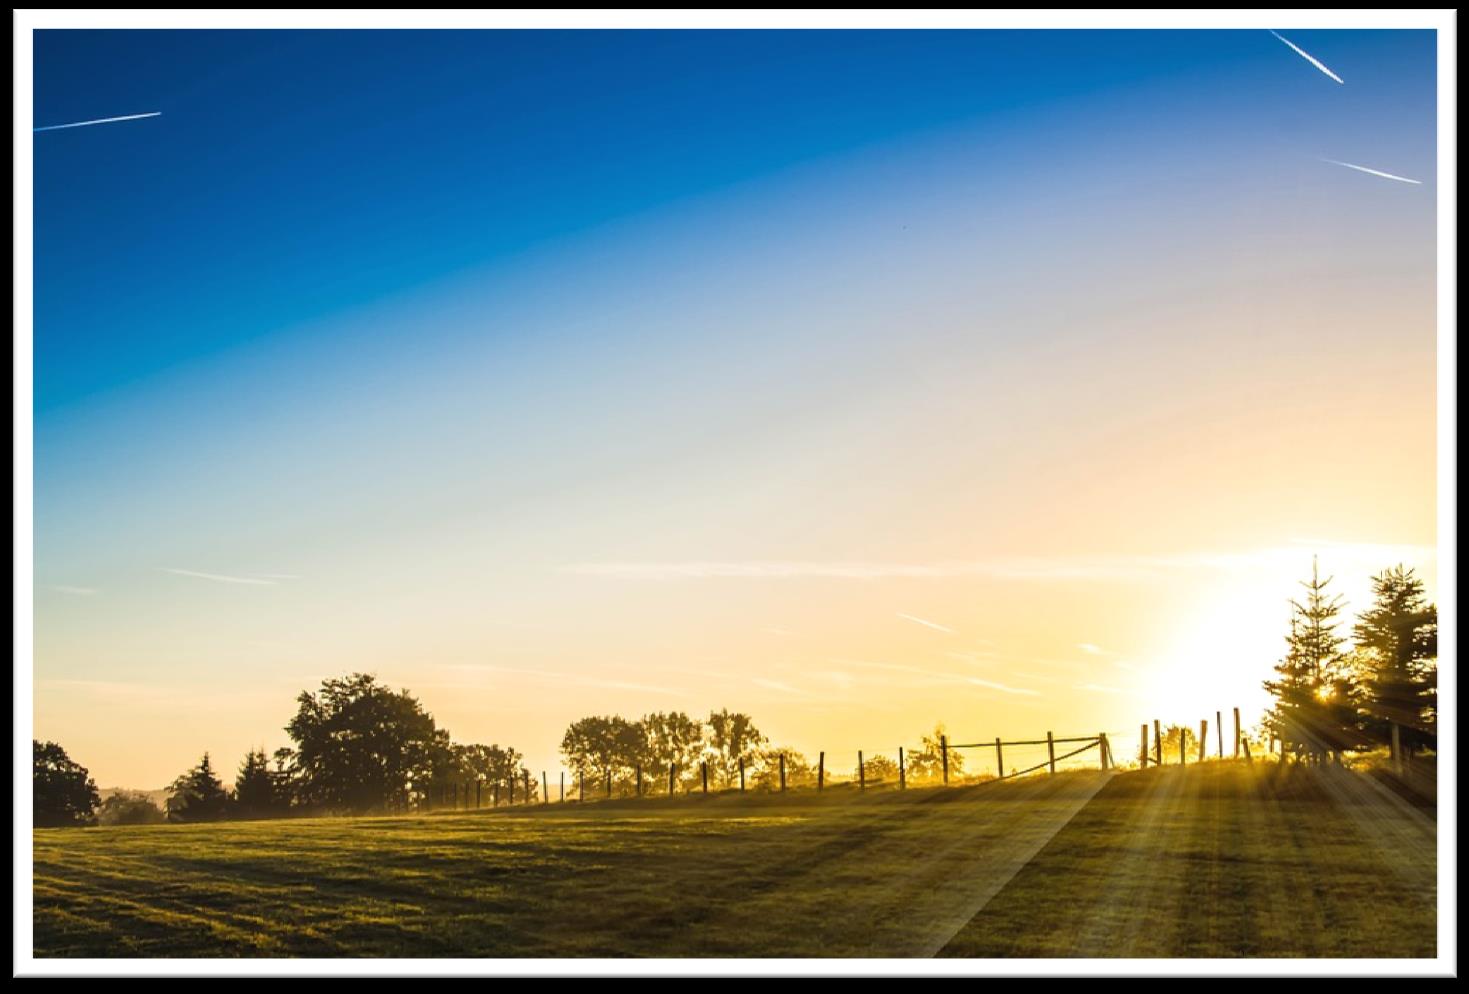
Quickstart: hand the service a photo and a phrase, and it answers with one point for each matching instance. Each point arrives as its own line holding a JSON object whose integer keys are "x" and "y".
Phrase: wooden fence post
{"x": 704, "y": 772}
{"x": 511, "y": 784}
{"x": 563, "y": 786}
{"x": 782, "y": 773}
{"x": 861, "y": 772}
{"x": 477, "y": 786}
{"x": 902, "y": 770}
{"x": 1236, "y": 733}
{"x": 1143, "y": 738}
{"x": 1102, "y": 747}
{"x": 1247, "y": 751}
{"x": 1000, "y": 757}
{"x": 639, "y": 768}
{"x": 1219, "y": 732}
{"x": 742, "y": 774}
{"x": 609, "y": 783}
{"x": 672, "y": 783}
{"x": 821, "y": 771}
{"x": 1051, "y": 751}
{"x": 944, "y": 748}
{"x": 581, "y": 789}
{"x": 1203, "y": 737}
{"x": 1397, "y": 750}
{"x": 1158, "y": 740}
{"x": 545, "y": 789}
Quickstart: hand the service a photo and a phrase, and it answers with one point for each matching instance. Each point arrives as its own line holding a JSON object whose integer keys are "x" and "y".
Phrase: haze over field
{"x": 855, "y": 381}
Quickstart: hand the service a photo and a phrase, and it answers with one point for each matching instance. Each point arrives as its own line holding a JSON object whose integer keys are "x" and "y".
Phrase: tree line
{"x": 359, "y": 747}
{"x": 1380, "y": 688}
{"x": 671, "y": 751}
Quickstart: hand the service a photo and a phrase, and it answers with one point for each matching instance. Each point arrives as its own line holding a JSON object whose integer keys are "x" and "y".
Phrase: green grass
{"x": 1216, "y": 861}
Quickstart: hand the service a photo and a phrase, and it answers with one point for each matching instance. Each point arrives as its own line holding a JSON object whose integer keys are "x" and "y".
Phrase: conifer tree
{"x": 255, "y": 787}
{"x": 1397, "y": 640}
{"x": 1315, "y": 711}
{"x": 198, "y": 795}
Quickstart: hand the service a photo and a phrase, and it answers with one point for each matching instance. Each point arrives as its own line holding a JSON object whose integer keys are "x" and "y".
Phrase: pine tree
{"x": 1315, "y": 709}
{"x": 255, "y": 788}
{"x": 198, "y": 795}
{"x": 1397, "y": 639}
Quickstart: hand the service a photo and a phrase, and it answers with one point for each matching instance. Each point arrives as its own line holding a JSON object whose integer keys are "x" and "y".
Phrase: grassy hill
{"x": 1220, "y": 859}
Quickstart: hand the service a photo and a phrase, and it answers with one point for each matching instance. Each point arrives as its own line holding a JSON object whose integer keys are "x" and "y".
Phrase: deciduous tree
{"x": 63, "y": 793}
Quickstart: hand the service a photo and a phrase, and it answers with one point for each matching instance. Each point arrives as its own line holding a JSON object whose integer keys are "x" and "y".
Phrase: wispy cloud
{"x": 100, "y": 120}
{"x": 1094, "y": 650}
{"x": 1007, "y": 569}
{"x": 923, "y": 621}
{"x": 783, "y": 688}
{"x": 978, "y": 657}
{"x": 1035, "y": 568}
{"x": 1097, "y": 688}
{"x": 62, "y": 588}
{"x": 1309, "y": 57}
{"x": 931, "y": 677}
{"x": 1002, "y": 688}
{"x": 1374, "y": 172}
{"x": 220, "y": 577}
{"x": 570, "y": 678}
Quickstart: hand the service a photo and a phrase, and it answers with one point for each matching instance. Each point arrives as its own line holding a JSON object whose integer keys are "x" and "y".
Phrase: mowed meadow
{"x": 1217, "y": 860}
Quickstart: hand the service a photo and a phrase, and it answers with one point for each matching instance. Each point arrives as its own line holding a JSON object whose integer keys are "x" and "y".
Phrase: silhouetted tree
{"x": 198, "y": 795}
{"x": 359, "y": 745}
{"x": 799, "y": 770}
{"x": 130, "y": 807}
{"x": 1171, "y": 736}
{"x": 1397, "y": 642}
{"x": 671, "y": 737}
{"x": 878, "y": 769}
{"x": 731, "y": 737}
{"x": 63, "y": 793}
{"x": 927, "y": 762}
{"x": 286, "y": 779}
{"x": 255, "y": 788}
{"x": 601, "y": 745}
{"x": 1315, "y": 711}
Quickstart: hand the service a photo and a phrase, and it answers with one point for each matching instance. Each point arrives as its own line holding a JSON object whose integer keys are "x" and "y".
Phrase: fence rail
{"x": 519, "y": 790}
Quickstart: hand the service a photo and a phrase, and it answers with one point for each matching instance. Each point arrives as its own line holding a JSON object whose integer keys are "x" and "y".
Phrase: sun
{"x": 1217, "y": 656}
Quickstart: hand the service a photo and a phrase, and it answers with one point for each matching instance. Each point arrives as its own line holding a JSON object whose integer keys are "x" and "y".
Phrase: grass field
{"x": 1215, "y": 860}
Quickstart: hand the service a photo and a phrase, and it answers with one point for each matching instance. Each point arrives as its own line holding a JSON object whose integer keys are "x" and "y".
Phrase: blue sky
{"x": 634, "y": 370}
{"x": 294, "y": 174}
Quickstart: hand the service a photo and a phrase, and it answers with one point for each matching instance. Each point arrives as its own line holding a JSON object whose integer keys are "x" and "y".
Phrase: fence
{"x": 474, "y": 795}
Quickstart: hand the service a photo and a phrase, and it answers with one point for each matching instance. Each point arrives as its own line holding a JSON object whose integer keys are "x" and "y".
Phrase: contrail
{"x": 921, "y": 621}
{"x": 218, "y": 577}
{"x": 1374, "y": 172}
{"x": 1310, "y": 58}
{"x": 100, "y": 120}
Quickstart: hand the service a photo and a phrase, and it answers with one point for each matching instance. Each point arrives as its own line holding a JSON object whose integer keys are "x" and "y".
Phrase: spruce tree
{"x": 198, "y": 795}
{"x": 255, "y": 788}
{"x": 1315, "y": 711}
{"x": 1397, "y": 639}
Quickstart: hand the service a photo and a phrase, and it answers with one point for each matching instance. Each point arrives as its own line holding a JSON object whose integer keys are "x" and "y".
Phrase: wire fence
{"x": 941, "y": 763}
{"x": 932, "y": 764}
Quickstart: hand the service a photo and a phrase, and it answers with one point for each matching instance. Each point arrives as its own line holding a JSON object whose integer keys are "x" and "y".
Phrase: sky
{"x": 856, "y": 380}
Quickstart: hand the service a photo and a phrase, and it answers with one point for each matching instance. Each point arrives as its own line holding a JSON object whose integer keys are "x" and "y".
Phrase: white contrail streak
{"x": 921, "y": 621}
{"x": 1309, "y": 58}
{"x": 100, "y": 120}
{"x": 218, "y": 577}
{"x": 1374, "y": 172}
